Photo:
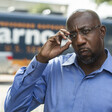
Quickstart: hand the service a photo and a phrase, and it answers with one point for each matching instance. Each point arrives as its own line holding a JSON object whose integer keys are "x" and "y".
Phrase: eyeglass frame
{"x": 81, "y": 32}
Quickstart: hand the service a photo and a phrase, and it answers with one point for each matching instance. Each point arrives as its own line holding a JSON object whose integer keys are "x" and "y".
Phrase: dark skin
{"x": 89, "y": 48}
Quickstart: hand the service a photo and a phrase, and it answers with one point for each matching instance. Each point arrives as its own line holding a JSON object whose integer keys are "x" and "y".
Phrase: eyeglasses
{"x": 83, "y": 31}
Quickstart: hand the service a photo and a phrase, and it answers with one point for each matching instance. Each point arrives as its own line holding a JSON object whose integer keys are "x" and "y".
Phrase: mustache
{"x": 80, "y": 50}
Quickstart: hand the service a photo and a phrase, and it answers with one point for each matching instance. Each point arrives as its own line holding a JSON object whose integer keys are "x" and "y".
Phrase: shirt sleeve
{"x": 28, "y": 88}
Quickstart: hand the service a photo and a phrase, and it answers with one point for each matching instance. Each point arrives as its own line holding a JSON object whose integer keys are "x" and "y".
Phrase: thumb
{"x": 66, "y": 46}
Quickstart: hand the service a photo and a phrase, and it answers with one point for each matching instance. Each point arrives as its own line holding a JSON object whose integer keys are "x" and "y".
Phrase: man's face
{"x": 86, "y": 38}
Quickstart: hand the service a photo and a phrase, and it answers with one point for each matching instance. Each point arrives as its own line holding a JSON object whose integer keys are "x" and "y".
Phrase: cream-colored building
{"x": 57, "y": 7}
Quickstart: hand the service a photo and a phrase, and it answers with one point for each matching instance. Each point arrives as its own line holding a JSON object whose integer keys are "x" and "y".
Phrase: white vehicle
{"x": 6, "y": 62}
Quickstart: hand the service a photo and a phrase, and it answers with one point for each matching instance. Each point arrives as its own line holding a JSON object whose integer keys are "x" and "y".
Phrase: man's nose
{"x": 80, "y": 39}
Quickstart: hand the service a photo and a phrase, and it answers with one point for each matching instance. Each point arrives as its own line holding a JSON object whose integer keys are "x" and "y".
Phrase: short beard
{"x": 87, "y": 60}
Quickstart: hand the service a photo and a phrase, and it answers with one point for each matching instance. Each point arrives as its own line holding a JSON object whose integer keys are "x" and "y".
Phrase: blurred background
{"x": 25, "y": 25}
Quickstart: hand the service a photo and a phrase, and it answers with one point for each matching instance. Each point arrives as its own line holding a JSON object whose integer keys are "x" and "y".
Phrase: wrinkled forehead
{"x": 79, "y": 20}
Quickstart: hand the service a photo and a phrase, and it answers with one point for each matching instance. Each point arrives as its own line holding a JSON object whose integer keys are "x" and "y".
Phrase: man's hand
{"x": 52, "y": 47}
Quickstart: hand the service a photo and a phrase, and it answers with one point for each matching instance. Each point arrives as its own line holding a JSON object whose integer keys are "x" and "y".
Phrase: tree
{"x": 98, "y": 2}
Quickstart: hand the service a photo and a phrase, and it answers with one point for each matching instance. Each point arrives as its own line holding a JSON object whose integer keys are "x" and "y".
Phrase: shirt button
{"x": 32, "y": 66}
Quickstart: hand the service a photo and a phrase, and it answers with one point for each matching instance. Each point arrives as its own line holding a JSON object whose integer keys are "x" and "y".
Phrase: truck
{"x": 107, "y": 22}
{"x": 24, "y": 34}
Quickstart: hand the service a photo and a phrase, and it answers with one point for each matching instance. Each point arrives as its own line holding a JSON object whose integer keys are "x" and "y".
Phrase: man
{"x": 70, "y": 83}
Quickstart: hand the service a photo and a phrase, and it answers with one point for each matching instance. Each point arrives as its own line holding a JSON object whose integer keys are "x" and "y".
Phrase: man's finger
{"x": 66, "y": 46}
{"x": 65, "y": 31}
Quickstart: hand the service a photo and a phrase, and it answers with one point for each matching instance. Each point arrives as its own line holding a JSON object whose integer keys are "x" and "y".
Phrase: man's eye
{"x": 85, "y": 31}
{"x": 72, "y": 36}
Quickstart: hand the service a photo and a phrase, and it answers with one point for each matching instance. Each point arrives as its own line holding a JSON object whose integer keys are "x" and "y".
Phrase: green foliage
{"x": 98, "y": 2}
{"x": 110, "y": 2}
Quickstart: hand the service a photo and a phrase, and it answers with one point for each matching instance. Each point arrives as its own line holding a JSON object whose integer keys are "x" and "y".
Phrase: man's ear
{"x": 103, "y": 31}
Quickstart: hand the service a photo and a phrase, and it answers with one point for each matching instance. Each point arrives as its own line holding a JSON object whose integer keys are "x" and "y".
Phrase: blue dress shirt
{"x": 62, "y": 86}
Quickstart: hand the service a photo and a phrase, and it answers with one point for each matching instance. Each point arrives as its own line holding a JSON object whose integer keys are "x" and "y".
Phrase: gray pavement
{"x": 5, "y": 82}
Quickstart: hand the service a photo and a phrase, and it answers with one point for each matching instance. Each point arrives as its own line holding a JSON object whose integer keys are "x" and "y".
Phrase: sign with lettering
{"x": 24, "y": 35}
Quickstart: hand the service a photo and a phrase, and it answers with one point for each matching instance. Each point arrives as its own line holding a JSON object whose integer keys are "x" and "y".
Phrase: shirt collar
{"x": 107, "y": 65}
{"x": 70, "y": 60}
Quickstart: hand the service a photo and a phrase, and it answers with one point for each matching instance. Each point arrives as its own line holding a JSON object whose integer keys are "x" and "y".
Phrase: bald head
{"x": 83, "y": 15}
{"x": 87, "y": 33}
